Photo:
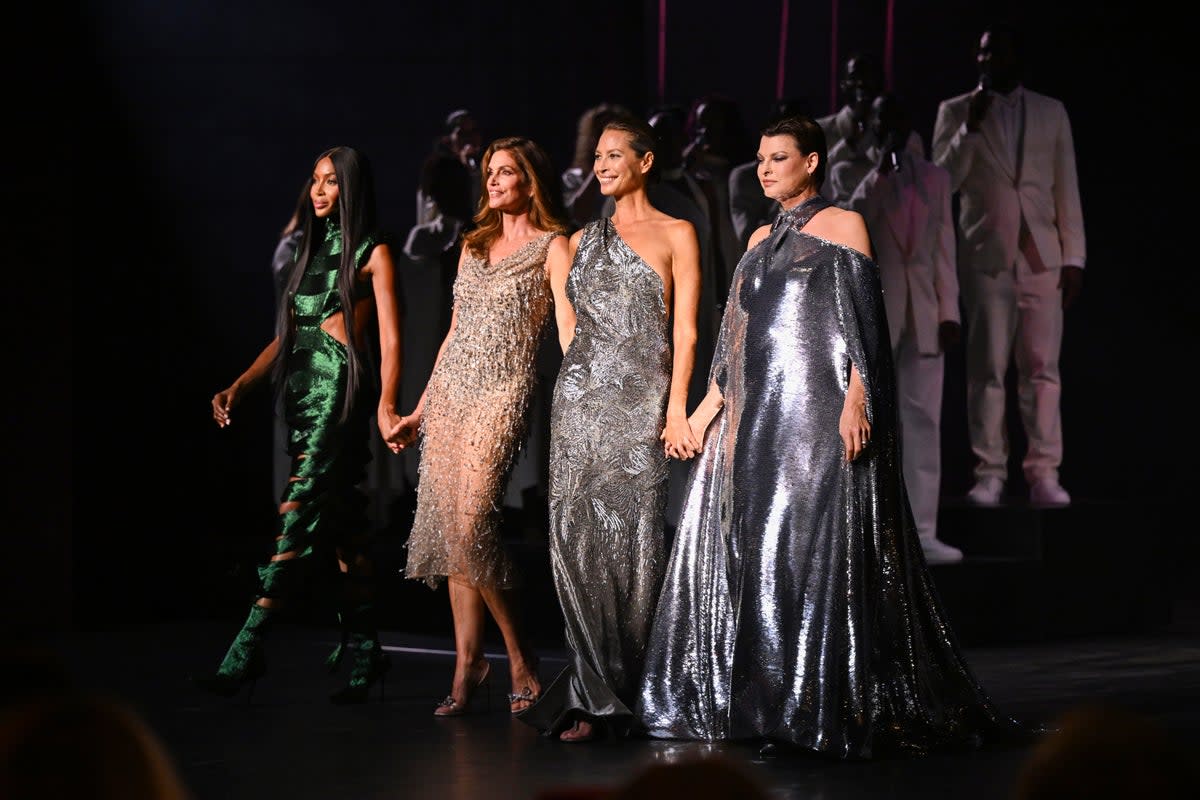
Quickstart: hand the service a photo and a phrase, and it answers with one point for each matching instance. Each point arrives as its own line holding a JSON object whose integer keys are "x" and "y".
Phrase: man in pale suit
{"x": 1021, "y": 255}
{"x": 848, "y": 136}
{"x": 905, "y": 201}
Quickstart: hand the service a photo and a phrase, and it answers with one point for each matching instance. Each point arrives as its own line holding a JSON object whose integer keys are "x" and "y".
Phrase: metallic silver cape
{"x": 797, "y": 606}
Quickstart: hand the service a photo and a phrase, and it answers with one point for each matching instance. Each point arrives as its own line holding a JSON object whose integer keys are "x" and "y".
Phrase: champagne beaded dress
{"x": 475, "y": 417}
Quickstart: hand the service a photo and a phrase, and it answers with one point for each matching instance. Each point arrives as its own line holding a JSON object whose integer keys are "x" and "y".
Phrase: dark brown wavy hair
{"x": 546, "y": 212}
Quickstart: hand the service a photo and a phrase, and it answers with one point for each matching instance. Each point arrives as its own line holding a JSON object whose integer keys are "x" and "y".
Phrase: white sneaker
{"x": 938, "y": 552}
{"x": 1048, "y": 492}
{"x": 986, "y": 492}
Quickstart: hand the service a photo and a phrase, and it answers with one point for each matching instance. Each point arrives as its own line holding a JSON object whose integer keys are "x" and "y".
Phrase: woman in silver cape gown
{"x": 797, "y": 608}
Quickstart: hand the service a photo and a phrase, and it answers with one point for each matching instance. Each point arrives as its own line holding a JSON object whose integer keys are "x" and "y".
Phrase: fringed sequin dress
{"x": 797, "y": 607}
{"x": 608, "y": 480}
{"x": 474, "y": 418}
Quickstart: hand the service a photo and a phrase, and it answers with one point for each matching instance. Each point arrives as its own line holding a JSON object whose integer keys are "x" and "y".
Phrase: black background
{"x": 160, "y": 146}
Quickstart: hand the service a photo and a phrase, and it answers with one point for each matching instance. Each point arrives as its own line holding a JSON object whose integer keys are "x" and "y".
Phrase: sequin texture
{"x": 608, "y": 479}
{"x": 797, "y": 607}
{"x": 474, "y": 418}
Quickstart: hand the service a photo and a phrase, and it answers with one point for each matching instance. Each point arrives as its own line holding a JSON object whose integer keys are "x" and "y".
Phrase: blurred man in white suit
{"x": 1021, "y": 255}
{"x": 905, "y": 200}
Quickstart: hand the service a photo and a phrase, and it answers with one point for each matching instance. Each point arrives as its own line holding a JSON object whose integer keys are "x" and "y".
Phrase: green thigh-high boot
{"x": 278, "y": 580}
{"x": 368, "y": 662}
{"x": 243, "y": 662}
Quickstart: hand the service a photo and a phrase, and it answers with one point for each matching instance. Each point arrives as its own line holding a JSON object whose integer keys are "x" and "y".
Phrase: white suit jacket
{"x": 917, "y": 267}
{"x": 982, "y": 170}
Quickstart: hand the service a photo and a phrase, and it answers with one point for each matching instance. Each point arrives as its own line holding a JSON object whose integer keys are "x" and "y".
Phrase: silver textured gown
{"x": 608, "y": 480}
{"x": 797, "y": 607}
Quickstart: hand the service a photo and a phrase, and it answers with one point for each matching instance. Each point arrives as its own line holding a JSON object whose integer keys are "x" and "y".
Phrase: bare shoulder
{"x": 558, "y": 249}
{"x": 678, "y": 229}
{"x": 763, "y": 232}
{"x": 380, "y": 258}
{"x": 845, "y": 227}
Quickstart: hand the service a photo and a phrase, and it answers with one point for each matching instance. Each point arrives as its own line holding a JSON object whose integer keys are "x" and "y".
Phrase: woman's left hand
{"x": 854, "y": 428}
{"x": 679, "y": 441}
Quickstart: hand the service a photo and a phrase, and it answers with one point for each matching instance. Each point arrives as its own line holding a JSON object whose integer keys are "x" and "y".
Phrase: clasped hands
{"x": 398, "y": 431}
{"x": 679, "y": 438}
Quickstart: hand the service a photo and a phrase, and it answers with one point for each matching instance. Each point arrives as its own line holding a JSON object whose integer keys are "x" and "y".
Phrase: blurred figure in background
{"x": 1021, "y": 255}
{"x": 847, "y": 133}
{"x": 717, "y": 142}
{"x": 905, "y": 200}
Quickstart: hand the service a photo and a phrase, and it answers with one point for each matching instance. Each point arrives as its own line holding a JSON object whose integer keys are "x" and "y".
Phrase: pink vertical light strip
{"x": 662, "y": 50}
{"x": 889, "y": 40}
{"x": 833, "y": 55}
{"x": 783, "y": 36}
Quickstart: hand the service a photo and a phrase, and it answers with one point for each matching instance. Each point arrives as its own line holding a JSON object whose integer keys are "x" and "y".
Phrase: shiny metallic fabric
{"x": 608, "y": 480}
{"x": 797, "y": 607}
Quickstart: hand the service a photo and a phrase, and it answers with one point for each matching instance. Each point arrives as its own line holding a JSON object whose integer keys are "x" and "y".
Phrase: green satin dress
{"x": 329, "y": 455}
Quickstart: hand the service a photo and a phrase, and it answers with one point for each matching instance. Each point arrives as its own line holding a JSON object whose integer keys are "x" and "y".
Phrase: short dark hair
{"x": 809, "y": 138}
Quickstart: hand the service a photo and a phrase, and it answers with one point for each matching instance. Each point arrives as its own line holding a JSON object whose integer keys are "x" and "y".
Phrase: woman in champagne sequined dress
{"x": 471, "y": 417}
{"x": 628, "y": 329}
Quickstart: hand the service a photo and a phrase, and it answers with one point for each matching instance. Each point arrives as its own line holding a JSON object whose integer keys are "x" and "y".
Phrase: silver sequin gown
{"x": 797, "y": 607}
{"x": 608, "y": 480}
{"x": 475, "y": 417}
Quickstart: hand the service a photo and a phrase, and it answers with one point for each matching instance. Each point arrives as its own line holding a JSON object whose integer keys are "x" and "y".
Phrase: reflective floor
{"x": 290, "y": 742}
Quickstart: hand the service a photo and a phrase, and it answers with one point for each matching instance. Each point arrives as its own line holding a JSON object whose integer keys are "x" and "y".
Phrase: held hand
{"x": 404, "y": 433}
{"x": 678, "y": 439}
{"x": 222, "y": 404}
{"x": 1070, "y": 281}
{"x": 949, "y": 335}
{"x": 389, "y": 422}
{"x": 854, "y": 428}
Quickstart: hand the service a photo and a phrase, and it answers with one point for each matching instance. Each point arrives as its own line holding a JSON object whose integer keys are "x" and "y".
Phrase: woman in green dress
{"x": 341, "y": 282}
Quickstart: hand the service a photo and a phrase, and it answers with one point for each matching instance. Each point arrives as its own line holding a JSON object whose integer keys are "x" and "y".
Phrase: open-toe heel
{"x": 527, "y": 696}
{"x": 449, "y": 707}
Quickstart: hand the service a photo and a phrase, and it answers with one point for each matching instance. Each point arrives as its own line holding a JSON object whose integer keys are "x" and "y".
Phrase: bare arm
{"x": 382, "y": 271}
{"x": 706, "y": 411}
{"x": 853, "y": 425}
{"x": 224, "y": 400}
{"x": 558, "y": 262}
{"x": 405, "y": 434}
{"x": 685, "y": 278}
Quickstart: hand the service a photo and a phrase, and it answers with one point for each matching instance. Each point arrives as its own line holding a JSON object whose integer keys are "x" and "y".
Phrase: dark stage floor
{"x": 292, "y": 743}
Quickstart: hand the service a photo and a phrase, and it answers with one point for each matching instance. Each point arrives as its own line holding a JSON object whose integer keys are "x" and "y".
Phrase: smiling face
{"x": 324, "y": 191}
{"x": 618, "y": 167}
{"x": 507, "y": 189}
{"x": 784, "y": 172}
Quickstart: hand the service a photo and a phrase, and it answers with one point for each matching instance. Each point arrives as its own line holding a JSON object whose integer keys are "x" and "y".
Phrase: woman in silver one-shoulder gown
{"x": 619, "y": 409}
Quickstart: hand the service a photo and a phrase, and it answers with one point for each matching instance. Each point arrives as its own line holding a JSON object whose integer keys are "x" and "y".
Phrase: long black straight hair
{"x": 356, "y": 216}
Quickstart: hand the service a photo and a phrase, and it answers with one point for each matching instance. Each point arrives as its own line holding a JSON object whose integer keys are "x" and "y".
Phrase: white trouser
{"x": 919, "y": 401}
{"x": 1016, "y": 314}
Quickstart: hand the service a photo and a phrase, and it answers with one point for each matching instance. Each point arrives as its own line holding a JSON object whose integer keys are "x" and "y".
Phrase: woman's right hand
{"x": 222, "y": 403}
{"x": 404, "y": 434}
